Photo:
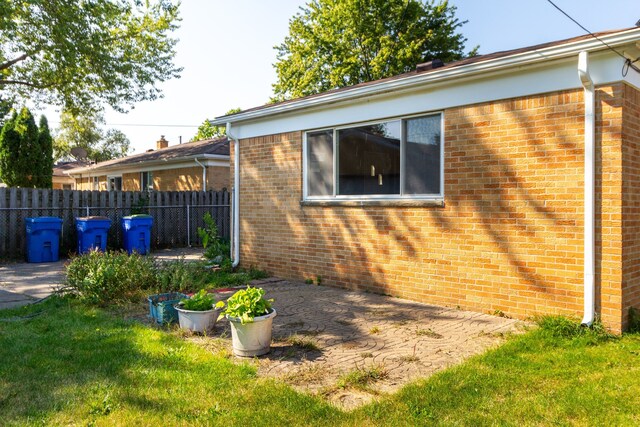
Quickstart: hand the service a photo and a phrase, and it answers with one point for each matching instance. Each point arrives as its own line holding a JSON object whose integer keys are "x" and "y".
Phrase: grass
{"x": 76, "y": 365}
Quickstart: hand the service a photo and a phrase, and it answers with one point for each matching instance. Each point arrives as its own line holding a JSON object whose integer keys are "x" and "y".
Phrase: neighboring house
{"x": 192, "y": 166}
{"x": 461, "y": 185}
{"x": 62, "y": 181}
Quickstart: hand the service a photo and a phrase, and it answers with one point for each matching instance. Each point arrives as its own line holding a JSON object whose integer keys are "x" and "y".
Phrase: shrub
{"x": 215, "y": 248}
{"x": 105, "y": 277}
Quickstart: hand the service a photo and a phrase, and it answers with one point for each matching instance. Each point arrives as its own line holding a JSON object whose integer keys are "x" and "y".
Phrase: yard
{"x": 68, "y": 363}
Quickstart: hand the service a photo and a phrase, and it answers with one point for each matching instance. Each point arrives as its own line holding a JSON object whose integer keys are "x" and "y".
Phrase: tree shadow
{"x": 509, "y": 236}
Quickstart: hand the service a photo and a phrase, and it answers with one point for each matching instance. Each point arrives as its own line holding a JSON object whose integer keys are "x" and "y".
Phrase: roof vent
{"x": 431, "y": 65}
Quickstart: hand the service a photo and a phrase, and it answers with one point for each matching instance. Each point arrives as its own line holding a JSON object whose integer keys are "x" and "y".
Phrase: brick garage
{"x": 509, "y": 234}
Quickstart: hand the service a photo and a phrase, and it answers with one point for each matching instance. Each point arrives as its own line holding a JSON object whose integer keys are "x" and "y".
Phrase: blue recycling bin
{"x": 43, "y": 238}
{"x": 136, "y": 233}
{"x": 92, "y": 233}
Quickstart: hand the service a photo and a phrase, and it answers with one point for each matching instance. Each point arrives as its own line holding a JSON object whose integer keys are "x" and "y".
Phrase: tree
{"x": 207, "y": 131}
{"x": 84, "y": 131}
{"x": 338, "y": 43}
{"x": 81, "y": 54}
{"x": 24, "y": 162}
{"x": 45, "y": 164}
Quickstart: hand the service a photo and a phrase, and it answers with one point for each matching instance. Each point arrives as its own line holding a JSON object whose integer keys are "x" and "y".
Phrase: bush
{"x": 215, "y": 248}
{"x": 106, "y": 277}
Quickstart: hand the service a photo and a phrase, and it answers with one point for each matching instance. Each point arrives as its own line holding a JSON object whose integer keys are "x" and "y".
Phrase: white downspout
{"x": 235, "y": 230}
{"x": 204, "y": 175}
{"x": 589, "y": 186}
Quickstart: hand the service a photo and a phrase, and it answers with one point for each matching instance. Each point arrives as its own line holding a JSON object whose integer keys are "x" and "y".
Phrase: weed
{"x": 308, "y": 281}
{"x": 105, "y": 277}
{"x": 374, "y": 330}
{"x": 361, "y": 378}
{"x": 500, "y": 313}
{"x": 429, "y": 333}
{"x": 303, "y": 343}
{"x": 318, "y": 280}
{"x": 366, "y": 355}
{"x": 409, "y": 358}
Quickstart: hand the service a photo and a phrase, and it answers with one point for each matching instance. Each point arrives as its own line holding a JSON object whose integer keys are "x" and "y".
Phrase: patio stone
{"x": 356, "y": 330}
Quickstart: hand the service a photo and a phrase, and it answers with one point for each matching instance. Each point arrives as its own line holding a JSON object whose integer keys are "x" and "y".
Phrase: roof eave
{"x": 515, "y": 60}
{"x": 108, "y": 168}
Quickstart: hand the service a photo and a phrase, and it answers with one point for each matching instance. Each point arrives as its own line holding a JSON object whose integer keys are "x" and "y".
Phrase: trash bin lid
{"x": 44, "y": 219}
{"x": 137, "y": 216}
{"x": 92, "y": 218}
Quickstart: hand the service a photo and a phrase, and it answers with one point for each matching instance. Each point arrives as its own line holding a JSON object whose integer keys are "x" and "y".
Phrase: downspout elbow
{"x": 204, "y": 174}
{"x": 589, "y": 189}
{"x": 235, "y": 255}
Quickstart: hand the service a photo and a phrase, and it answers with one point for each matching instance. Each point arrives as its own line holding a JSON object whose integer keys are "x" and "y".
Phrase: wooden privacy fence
{"x": 176, "y": 215}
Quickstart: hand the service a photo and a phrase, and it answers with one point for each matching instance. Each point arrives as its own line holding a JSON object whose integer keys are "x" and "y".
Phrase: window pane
{"x": 320, "y": 163}
{"x": 369, "y": 159}
{"x": 422, "y": 156}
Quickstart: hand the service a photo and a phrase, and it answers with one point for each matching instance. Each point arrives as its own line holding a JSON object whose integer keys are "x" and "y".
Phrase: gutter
{"x": 136, "y": 166}
{"x": 589, "y": 186}
{"x": 235, "y": 229}
{"x": 204, "y": 174}
{"x": 479, "y": 69}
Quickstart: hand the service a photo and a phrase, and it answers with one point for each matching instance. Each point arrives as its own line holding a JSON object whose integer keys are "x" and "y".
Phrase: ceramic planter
{"x": 196, "y": 321}
{"x": 252, "y": 339}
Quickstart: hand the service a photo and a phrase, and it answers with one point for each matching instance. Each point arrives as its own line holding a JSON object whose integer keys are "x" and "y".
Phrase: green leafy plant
{"x": 107, "y": 277}
{"x": 214, "y": 246}
{"x": 246, "y": 304}
{"x": 202, "y": 301}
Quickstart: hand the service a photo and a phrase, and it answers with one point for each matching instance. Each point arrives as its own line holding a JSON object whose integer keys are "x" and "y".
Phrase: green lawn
{"x": 75, "y": 365}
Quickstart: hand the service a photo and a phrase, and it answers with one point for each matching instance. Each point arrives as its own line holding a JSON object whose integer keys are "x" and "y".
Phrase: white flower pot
{"x": 252, "y": 339}
{"x": 197, "y": 321}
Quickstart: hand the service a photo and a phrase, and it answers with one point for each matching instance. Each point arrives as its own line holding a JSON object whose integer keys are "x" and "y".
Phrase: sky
{"x": 226, "y": 49}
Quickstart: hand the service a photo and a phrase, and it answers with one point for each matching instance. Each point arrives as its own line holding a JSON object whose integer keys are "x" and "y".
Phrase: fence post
{"x": 188, "y": 226}
{"x": 87, "y": 210}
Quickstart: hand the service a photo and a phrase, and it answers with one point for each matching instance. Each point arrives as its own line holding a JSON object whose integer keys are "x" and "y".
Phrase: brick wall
{"x": 131, "y": 181}
{"x": 87, "y": 183}
{"x": 631, "y": 202}
{"x": 509, "y": 238}
{"x": 218, "y": 178}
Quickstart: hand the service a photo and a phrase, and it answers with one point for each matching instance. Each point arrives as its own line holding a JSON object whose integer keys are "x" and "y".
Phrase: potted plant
{"x": 251, "y": 318}
{"x": 197, "y": 313}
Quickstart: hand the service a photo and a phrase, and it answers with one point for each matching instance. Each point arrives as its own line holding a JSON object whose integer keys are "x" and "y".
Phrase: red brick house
{"x": 505, "y": 182}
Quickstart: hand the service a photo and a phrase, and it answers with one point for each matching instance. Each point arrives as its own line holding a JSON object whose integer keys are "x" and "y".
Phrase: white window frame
{"x": 372, "y": 197}
{"x": 95, "y": 183}
{"x": 109, "y": 178}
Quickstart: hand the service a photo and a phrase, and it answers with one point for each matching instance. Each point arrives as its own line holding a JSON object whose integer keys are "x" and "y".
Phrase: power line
{"x": 142, "y": 125}
{"x": 628, "y": 63}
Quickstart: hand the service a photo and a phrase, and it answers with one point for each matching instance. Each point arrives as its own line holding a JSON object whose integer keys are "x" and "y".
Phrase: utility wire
{"x": 628, "y": 63}
{"x": 140, "y": 125}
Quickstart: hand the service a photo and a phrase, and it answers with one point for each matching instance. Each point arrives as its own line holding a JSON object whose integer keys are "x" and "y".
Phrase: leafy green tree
{"x": 337, "y": 43}
{"x": 44, "y": 178}
{"x": 84, "y": 131}
{"x": 23, "y": 161}
{"x": 82, "y": 54}
{"x": 207, "y": 131}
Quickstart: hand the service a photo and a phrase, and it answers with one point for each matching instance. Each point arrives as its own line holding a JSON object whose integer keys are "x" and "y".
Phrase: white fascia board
{"x": 552, "y": 76}
{"x": 476, "y": 69}
{"x": 210, "y": 160}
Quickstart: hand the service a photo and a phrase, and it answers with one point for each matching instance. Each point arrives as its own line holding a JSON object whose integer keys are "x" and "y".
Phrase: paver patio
{"x": 356, "y": 330}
